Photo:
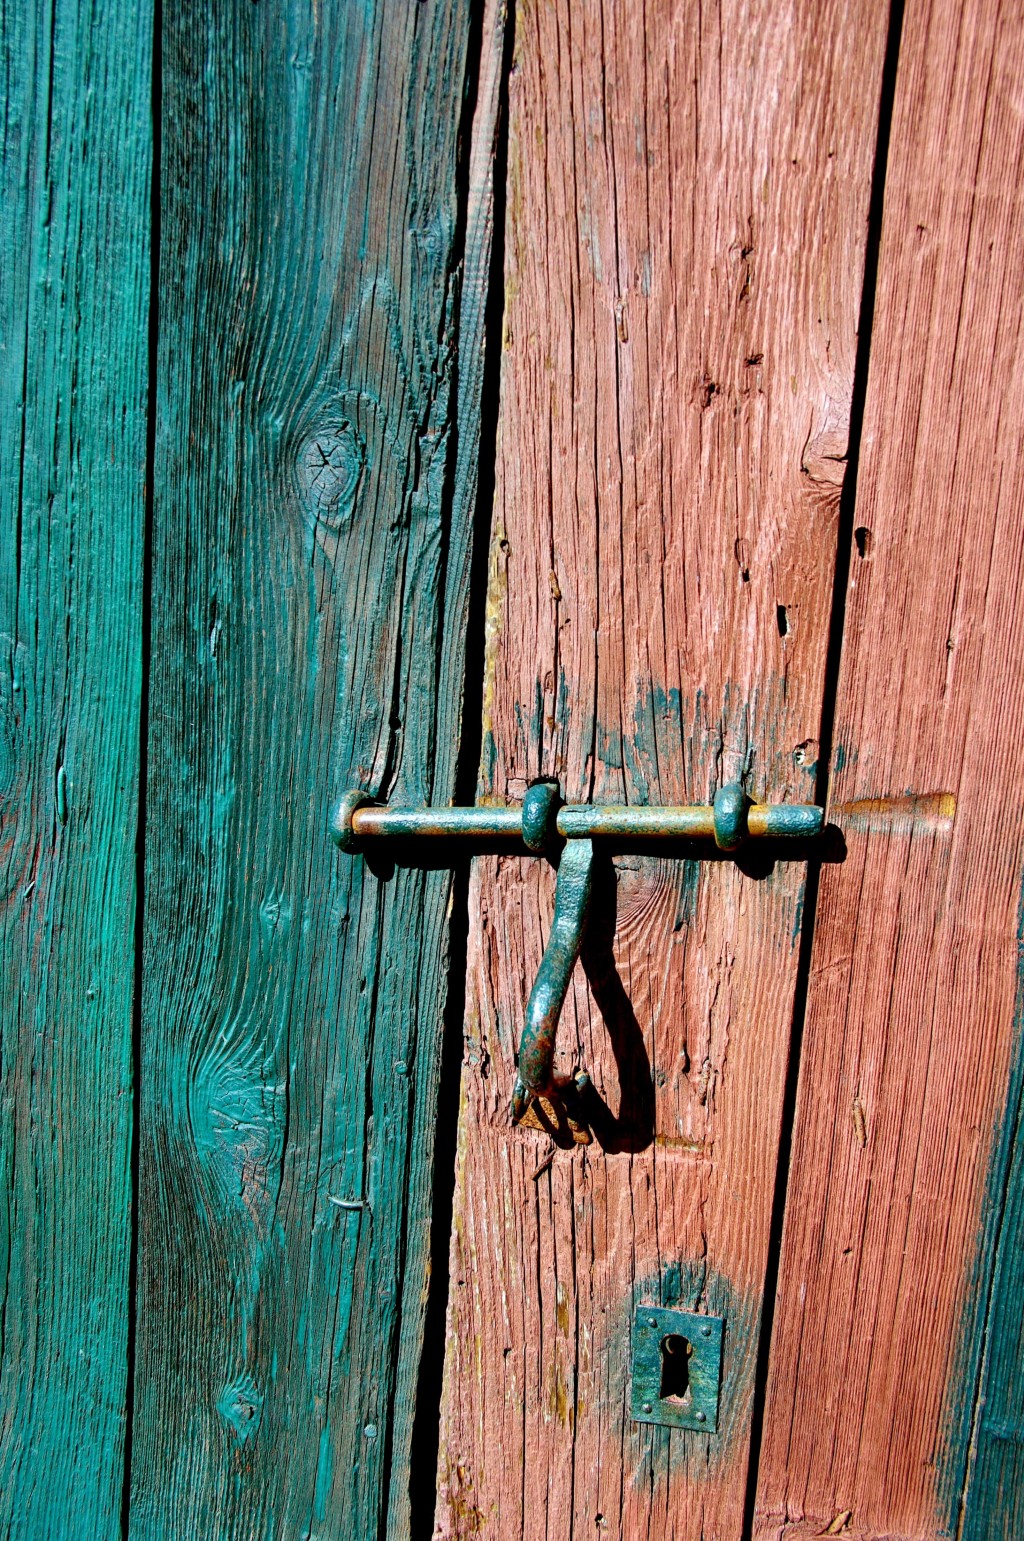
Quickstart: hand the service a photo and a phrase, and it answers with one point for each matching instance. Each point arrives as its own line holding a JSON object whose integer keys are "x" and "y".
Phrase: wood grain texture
{"x": 906, "y": 1182}
{"x": 75, "y": 154}
{"x": 310, "y": 561}
{"x": 687, "y": 202}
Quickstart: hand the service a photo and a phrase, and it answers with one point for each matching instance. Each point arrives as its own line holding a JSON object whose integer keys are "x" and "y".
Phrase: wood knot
{"x": 240, "y": 1404}
{"x": 331, "y": 464}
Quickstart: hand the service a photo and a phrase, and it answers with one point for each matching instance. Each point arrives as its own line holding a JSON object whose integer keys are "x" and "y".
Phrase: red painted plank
{"x": 910, "y": 1017}
{"x": 687, "y": 204}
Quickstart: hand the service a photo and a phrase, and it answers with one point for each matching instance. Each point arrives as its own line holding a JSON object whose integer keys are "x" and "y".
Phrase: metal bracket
{"x": 546, "y": 826}
{"x": 677, "y": 1368}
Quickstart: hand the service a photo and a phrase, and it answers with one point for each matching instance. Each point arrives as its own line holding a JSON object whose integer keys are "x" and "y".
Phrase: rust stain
{"x": 898, "y": 815}
{"x": 469, "y": 1519}
{"x": 679, "y": 1142}
{"x": 559, "y": 1403}
{"x": 551, "y": 1118}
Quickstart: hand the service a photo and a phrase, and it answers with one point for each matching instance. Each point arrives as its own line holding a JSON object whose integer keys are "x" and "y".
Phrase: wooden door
{"x": 432, "y": 398}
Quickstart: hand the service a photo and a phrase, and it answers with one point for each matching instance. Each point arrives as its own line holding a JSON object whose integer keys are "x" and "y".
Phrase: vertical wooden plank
{"x": 308, "y": 590}
{"x": 900, "y": 1191}
{"x": 75, "y": 153}
{"x": 687, "y": 201}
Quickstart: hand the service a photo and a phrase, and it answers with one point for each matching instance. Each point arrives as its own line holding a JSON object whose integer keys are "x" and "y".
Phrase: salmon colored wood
{"x": 311, "y": 538}
{"x": 896, "y": 1349}
{"x": 687, "y": 198}
{"x": 75, "y": 165}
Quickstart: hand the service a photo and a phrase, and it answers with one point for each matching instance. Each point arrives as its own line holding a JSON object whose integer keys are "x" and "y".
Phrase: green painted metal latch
{"x": 545, "y": 826}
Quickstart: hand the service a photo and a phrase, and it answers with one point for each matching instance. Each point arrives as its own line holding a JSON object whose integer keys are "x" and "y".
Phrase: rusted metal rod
{"x": 449, "y": 823}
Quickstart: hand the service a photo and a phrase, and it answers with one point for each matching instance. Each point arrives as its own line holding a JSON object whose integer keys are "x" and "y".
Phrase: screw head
{"x": 652, "y": 1321}
{"x": 647, "y": 1407}
{"x": 701, "y": 1416}
{"x": 705, "y": 1331}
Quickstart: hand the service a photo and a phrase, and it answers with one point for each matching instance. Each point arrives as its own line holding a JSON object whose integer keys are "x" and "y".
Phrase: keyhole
{"x": 675, "y": 1367}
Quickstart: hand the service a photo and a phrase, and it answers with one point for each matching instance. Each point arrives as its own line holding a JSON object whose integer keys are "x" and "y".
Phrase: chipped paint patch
{"x": 859, "y": 1119}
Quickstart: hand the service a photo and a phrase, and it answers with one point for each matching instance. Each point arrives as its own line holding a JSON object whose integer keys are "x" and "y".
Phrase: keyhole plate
{"x": 659, "y": 1337}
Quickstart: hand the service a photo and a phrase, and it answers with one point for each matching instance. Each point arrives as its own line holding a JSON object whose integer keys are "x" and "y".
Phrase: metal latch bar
{"x": 730, "y": 821}
{"x": 545, "y": 826}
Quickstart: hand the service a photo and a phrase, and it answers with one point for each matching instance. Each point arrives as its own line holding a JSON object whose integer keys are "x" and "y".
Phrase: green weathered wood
{"x": 75, "y": 149}
{"x": 311, "y": 550}
{"x": 990, "y": 1441}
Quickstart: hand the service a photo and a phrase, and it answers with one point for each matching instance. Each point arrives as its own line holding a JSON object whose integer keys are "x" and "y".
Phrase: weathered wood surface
{"x": 687, "y": 202}
{"x": 75, "y": 150}
{"x": 308, "y": 602}
{"x": 906, "y": 1186}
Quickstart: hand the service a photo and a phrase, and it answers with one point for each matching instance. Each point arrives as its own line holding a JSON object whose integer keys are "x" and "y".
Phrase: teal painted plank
{"x": 75, "y": 149}
{"x": 311, "y": 542}
{"x": 471, "y": 487}
{"x": 989, "y": 1428}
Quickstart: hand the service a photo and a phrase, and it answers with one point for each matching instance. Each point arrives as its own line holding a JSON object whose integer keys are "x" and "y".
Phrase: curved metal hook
{"x": 537, "y": 1045}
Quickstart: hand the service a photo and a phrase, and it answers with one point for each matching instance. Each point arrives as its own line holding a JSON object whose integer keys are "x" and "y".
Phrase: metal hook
{"x": 537, "y": 1045}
